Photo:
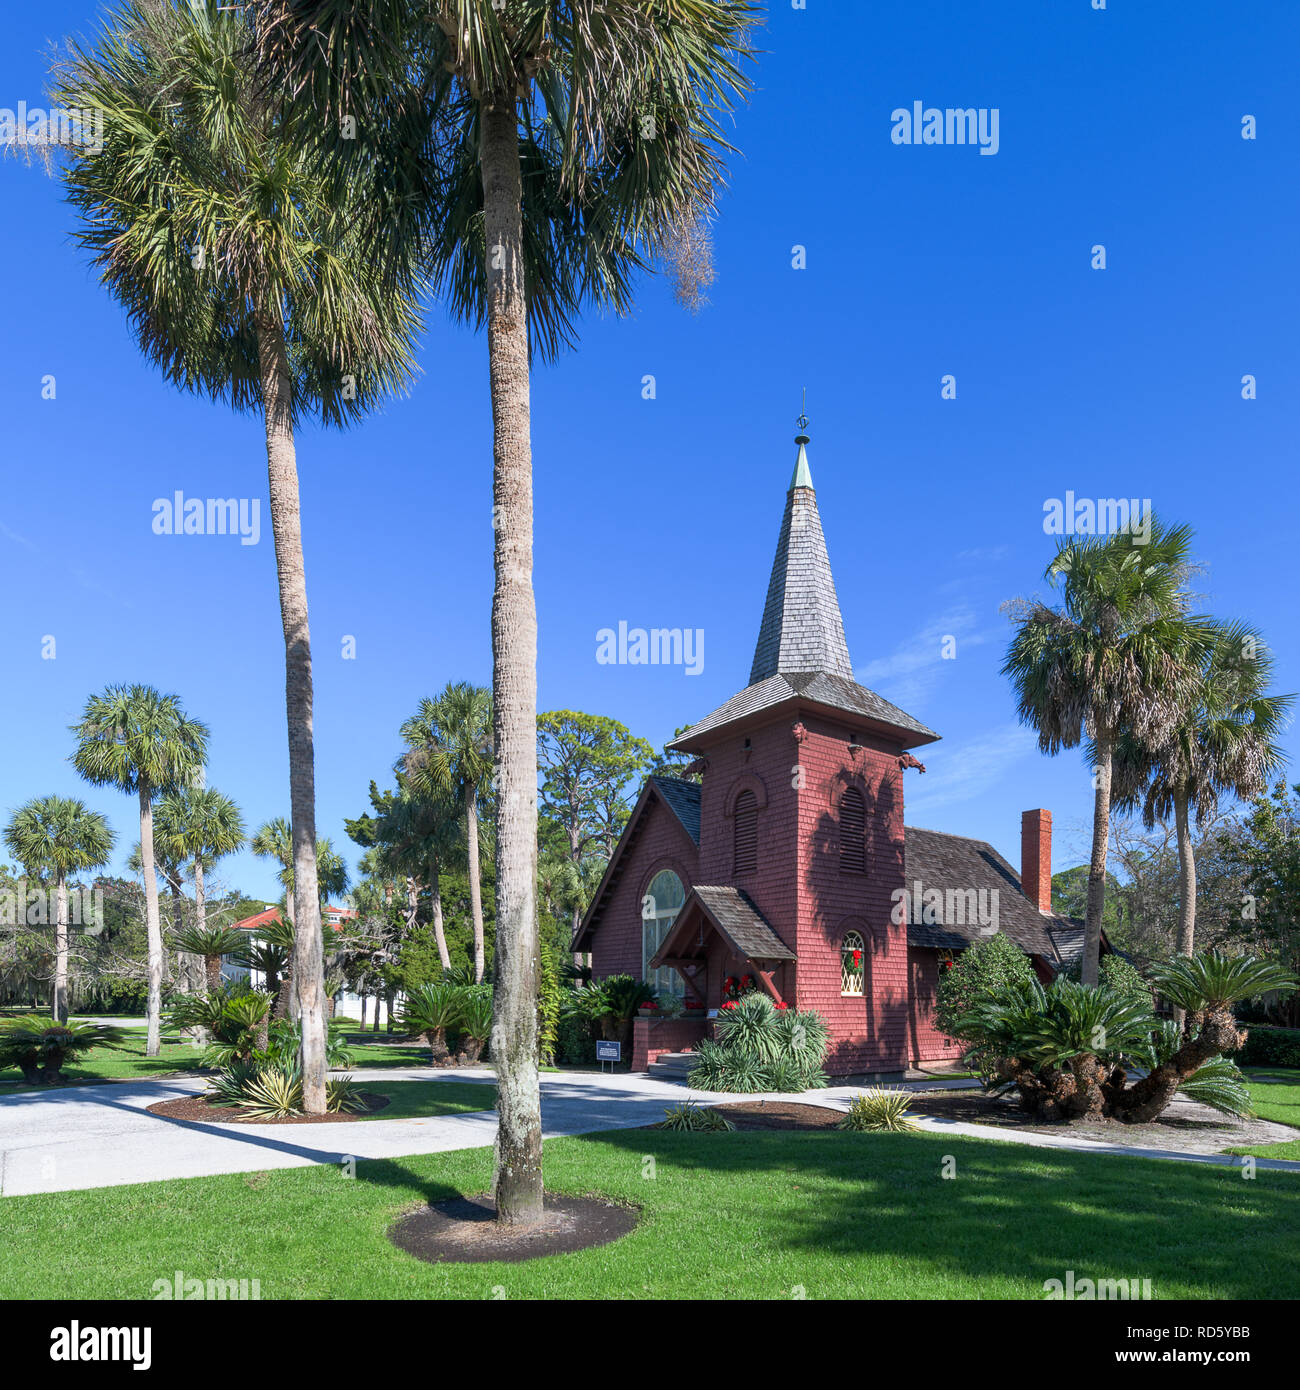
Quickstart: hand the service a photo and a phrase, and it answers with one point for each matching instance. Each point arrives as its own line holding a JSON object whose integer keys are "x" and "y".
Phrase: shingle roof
{"x": 733, "y": 913}
{"x": 813, "y": 687}
{"x": 955, "y": 863}
{"x": 802, "y": 628}
{"x": 683, "y": 799}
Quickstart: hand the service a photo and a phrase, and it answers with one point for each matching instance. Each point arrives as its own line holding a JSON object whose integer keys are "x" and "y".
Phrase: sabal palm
{"x": 541, "y": 151}
{"x": 212, "y": 943}
{"x": 1221, "y": 744}
{"x": 246, "y": 274}
{"x": 59, "y": 835}
{"x": 1118, "y": 654}
{"x": 172, "y": 872}
{"x": 419, "y": 832}
{"x": 199, "y": 825}
{"x": 135, "y": 739}
{"x": 449, "y": 743}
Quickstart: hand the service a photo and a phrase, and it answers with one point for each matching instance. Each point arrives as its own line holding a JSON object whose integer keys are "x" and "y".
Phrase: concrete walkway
{"x": 103, "y": 1136}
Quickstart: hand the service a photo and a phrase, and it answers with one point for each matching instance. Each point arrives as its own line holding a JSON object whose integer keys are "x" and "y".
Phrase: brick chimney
{"x": 1036, "y": 858}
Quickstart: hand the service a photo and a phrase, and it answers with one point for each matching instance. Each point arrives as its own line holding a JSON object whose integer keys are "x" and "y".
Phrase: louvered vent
{"x": 746, "y": 833}
{"x": 853, "y": 832}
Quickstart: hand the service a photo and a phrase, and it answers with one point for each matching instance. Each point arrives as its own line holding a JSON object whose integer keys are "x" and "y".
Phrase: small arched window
{"x": 851, "y": 949}
{"x": 853, "y": 832}
{"x": 746, "y": 830}
{"x": 659, "y": 909}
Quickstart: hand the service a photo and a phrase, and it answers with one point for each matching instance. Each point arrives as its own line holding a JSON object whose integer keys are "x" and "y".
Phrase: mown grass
{"x": 123, "y": 1062}
{"x": 1275, "y": 1095}
{"x": 415, "y": 1100}
{"x": 762, "y": 1215}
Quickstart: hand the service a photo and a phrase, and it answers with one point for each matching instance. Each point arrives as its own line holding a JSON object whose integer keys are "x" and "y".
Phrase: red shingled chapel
{"x": 787, "y": 865}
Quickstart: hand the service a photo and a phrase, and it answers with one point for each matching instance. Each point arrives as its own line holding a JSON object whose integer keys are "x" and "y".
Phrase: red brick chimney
{"x": 1036, "y": 858}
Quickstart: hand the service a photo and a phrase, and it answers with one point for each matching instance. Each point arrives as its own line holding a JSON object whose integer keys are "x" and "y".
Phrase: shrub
{"x": 575, "y": 1041}
{"x": 694, "y": 1117}
{"x": 38, "y": 1047}
{"x": 978, "y": 972}
{"x": 430, "y": 1011}
{"x": 879, "y": 1109}
{"x": 273, "y": 1091}
{"x": 1270, "y": 1047}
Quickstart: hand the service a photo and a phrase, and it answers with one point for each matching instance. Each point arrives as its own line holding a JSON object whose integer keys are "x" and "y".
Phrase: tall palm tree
{"x": 189, "y": 968}
{"x": 62, "y": 836}
{"x": 246, "y": 274}
{"x": 1119, "y": 654}
{"x": 139, "y": 741}
{"x": 1220, "y": 744}
{"x": 199, "y": 825}
{"x": 449, "y": 754}
{"x": 541, "y": 151}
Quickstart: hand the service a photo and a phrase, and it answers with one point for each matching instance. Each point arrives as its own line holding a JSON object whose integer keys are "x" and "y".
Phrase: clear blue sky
{"x": 1120, "y": 127}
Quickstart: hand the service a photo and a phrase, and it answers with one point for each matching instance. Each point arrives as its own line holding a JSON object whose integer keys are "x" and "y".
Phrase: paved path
{"x": 103, "y": 1136}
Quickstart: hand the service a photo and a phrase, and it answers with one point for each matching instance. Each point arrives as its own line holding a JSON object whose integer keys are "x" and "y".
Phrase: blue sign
{"x": 609, "y": 1051}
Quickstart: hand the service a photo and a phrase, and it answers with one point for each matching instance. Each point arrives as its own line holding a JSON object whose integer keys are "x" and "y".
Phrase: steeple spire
{"x": 802, "y": 629}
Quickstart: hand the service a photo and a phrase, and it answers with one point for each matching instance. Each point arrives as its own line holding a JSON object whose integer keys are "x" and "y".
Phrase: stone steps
{"x": 671, "y": 1066}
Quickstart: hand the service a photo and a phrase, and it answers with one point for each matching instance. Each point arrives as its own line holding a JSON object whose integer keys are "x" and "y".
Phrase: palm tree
{"x": 59, "y": 835}
{"x": 1221, "y": 744}
{"x": 449, "y": 743}
{"x": 212, "y": 943}
{"x": 189, "y": 969}
{"x": 139, "y": 741}
{"x": 199, "y": 825}
{"x": 541, "y": 151}
{"x": 1119, "y": 654}
{"x": 245, "y": 270}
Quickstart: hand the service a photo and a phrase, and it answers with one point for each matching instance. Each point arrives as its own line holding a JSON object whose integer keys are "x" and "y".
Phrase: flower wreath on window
{"x": 851, "y": 949}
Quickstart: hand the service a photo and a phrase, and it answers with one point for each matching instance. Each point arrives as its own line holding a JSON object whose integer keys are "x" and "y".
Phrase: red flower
{"x": 781, "y": 1004}
{"x": 730, "y": 1004}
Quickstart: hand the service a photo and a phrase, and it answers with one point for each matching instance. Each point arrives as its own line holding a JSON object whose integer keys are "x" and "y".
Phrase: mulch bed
{"x": 463, "y": 1230}
{"x": 758, "y": 1114}
{"x": 199, "y": 1108}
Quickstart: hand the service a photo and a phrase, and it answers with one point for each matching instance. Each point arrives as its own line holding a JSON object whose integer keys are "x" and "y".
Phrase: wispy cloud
{"x": 964, "y": 771}
{"x": 913, "y": 669}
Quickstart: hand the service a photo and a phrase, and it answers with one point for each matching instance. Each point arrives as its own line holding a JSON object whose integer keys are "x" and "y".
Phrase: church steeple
{"x": 802, "y": 629}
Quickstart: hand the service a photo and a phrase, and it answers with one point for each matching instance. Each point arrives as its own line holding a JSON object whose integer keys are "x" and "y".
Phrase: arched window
{"x": 659, "y": 908}
{"x": 851, "y": 949}
{"x": 853, "y": 832}
{"x": 746, "y": 833}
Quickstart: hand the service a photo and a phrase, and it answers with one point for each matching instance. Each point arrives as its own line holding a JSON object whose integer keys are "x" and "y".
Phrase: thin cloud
{"x": 962, "y": 772}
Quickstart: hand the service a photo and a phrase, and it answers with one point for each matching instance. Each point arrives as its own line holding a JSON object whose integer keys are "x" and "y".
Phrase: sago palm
{"x": 540, "y": 152}
{"x": 449, "y": 754}
{"x": 244, "y": 269}
{"x": 1222, "y": 743}
{"x": 61, "y": 836}
{"x": 141, "y": 742}
{"x": 1119, "y": 654}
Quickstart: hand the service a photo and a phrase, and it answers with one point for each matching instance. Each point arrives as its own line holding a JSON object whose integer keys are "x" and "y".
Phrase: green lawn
{"x": 412, "y": 1100}
{"x": 741, "y": 1215}
{"x": 1277, "y": 1099}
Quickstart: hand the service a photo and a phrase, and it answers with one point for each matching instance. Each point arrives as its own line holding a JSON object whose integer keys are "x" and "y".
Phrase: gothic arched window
{"x": 851, "y": 970}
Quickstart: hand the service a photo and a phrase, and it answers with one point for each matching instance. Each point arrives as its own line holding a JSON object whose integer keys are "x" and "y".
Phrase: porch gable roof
{"x": 732, "y": 914}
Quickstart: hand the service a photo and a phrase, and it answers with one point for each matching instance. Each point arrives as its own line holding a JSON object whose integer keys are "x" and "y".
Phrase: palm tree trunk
{"x": 60, "y": 997}
{"x": 435, "y": 912}
{"x": 1090, "y": 969}
{"x": 475, "y": 887}
{"x": 200, "y": 901}
{"x": 286, "y": 526}
{"x": 1186, "y": 877}
{"x": 518, "y": 1182}
{"x": 152, "y": 926}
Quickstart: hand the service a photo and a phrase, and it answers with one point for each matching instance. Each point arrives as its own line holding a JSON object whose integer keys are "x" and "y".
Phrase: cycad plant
{"x": 59, "y": 835}
{"x": 475, "y": 1021}
{"x": 212, "y": 943}
{"x": 142, "y": 742}
{"x": 541, "y": 151}
{"x": 432, "y": 1009}
{"x": 1068, "y": 1050}
{"x": 245, "y": 269}
{"x": 38, "y": 1047}
{"x": 1120, "y": 653}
